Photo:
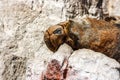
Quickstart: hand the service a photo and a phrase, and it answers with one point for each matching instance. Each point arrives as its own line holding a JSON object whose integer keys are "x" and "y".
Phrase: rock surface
{"x": 82, "y": 64}
{"x": 23, "y": 53}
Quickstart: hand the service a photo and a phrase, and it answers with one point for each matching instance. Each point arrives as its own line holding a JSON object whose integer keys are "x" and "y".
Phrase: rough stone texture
{"x": 83, "y": 64}
{"x": 93, "y": 8}
{"x": 22, "y": 24}
{"x": 14, "y": 68}
{"x": 89, "y": 65}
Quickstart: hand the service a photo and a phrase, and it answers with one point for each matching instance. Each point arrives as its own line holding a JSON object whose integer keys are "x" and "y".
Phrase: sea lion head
{"x": 56, "y": 35}
{"x": 61, "y": 33}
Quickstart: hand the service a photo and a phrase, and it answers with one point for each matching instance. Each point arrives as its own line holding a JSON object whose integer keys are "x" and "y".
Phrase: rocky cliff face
{"x": 23, "y": 53}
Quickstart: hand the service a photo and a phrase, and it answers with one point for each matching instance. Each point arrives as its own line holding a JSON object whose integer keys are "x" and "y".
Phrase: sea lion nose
{"x": 48, "y": 41}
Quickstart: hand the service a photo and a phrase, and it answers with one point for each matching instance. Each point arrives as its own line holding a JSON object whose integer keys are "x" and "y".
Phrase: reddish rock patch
{"x": 55, "y": 71}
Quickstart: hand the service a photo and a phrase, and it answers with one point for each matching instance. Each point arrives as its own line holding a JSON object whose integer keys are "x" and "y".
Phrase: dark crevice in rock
{"x": 76, "y": 8}
{"x": 65, "y": 73}
{"x": 118, "y": 69}
{"x": 85, "y": 6}
{"x": 99, "y": 4}
{"x": 15, "y": 68}
{"x": 65, "y": 70}
{"x": 100, "y": 9}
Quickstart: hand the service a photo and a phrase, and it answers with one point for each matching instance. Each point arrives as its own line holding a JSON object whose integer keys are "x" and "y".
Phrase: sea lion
{"x": 90, "y": 33}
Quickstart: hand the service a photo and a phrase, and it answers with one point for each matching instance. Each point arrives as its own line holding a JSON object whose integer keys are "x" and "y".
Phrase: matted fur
{"x": 98, "y": 35}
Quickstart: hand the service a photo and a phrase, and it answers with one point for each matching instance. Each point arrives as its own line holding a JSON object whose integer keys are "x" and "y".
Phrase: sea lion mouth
{"x": 48, "y": 42}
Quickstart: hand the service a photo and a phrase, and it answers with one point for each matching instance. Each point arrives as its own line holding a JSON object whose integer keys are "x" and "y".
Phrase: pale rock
{"x": 82, "y": 64}
{"x": 90, "y": 65}
{"x": 63, "y": 53}
{"x": 22, "y": 26}
{"x": 113, "y": 8}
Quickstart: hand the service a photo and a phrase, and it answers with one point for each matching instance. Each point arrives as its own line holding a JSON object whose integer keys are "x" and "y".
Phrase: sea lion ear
{"x": 70, "y": 21}
{"x": 66, "y": 23}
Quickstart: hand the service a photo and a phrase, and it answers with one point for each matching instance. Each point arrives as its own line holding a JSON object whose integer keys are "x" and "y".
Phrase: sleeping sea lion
{"x": 97, "y": 35}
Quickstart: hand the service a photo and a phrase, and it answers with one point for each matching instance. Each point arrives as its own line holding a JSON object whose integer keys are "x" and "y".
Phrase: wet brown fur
{"x": 98, "y": 35}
